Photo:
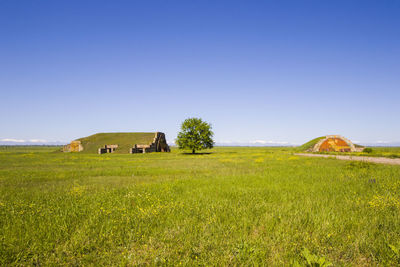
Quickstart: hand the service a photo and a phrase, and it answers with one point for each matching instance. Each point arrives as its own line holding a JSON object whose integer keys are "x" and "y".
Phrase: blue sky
{"x": 258, "y": 71}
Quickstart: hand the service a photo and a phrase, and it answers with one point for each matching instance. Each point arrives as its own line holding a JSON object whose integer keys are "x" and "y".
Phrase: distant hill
{"x": 125, "y": 141}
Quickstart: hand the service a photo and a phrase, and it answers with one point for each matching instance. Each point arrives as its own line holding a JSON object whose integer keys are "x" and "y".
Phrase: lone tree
{"x": 195, "y": 135}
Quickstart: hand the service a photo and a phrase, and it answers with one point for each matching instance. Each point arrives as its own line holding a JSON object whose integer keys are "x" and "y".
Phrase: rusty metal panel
{"x": 335, "y": 145}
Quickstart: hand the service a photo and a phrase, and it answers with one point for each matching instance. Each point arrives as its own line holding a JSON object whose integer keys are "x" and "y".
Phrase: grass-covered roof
{"x": 310, "y": 144}
{"x": 124, "y": 141}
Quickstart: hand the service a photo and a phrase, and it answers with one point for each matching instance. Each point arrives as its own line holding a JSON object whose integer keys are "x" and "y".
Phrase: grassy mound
{"x": 124, "y": 141}
{"x": 310, "y": 144}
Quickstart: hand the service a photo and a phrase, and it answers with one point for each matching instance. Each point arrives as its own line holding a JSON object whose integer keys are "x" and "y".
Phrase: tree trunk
{"x": 193, "y": 151}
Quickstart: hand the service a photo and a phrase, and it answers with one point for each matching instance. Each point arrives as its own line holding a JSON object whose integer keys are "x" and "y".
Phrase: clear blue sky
{"x": 280, "y": 71}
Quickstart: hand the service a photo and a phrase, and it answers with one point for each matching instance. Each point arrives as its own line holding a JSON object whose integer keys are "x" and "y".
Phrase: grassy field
{"x": 247, "y": 206}
{"x": 387, "y": 152}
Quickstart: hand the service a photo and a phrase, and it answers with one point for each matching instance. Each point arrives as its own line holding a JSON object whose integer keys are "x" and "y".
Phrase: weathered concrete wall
{"x": 74, "y": 146}
{"x": 107, "y": 149}
{"x": 159, "y": 144}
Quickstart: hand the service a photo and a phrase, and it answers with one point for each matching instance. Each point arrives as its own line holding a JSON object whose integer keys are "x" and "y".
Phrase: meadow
{"x": 233, "y": 206}
{"x": 386, "y": 152}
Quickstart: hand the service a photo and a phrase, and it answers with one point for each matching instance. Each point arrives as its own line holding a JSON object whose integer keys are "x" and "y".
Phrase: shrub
{"x": 367, "y": 150}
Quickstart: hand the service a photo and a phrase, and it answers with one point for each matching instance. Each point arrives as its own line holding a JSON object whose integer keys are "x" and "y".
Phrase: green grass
{"x": 309, "y": 144}
{"x": 235, "y": 206}
{"x": 125, "y": 141}
{"x": 390, "y": 152}
{"x": 387, "y": 152}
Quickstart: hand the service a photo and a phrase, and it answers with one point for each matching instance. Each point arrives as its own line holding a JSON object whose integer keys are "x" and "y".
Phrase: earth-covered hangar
{"x": 121, "y": 143}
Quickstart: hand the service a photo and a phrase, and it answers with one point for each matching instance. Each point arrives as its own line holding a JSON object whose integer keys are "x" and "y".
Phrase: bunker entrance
{"x": 107, "y": 149}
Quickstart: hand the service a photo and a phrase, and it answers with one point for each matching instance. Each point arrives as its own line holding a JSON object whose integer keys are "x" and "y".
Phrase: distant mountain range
{"x": 380, "y": 144}
{"x": 287, "y": 144}
{"x": 31, "y": 143}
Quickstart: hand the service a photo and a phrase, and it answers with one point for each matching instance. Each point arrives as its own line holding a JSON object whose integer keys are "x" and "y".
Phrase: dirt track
{"x": 359, "y": 158}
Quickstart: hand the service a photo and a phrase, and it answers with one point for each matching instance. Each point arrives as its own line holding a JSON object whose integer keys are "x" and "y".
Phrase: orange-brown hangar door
{"x": 334, "y": 145}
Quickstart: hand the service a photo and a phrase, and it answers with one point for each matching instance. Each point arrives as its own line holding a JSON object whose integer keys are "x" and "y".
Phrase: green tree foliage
{"x": 195, "y": 135}
{"x": 367, "y": 150}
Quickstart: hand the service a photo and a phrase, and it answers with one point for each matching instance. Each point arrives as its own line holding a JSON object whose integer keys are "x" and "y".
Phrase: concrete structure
{"x": 333, "y": 143}
{"x": 107, "y": 149}
{"x": 74, "y": 146}
{"x": 159, "y": 144}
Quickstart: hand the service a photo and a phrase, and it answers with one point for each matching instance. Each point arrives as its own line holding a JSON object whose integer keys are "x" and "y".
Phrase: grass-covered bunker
{"x": 121, "y": 143}
{"x": 330, "y": 143}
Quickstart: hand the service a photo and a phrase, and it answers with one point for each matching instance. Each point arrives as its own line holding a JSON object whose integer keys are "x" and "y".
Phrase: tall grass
{"x": 233, "y": 206}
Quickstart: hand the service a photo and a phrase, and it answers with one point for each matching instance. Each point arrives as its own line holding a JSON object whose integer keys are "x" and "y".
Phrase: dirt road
{"x": 359, "y": 158}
